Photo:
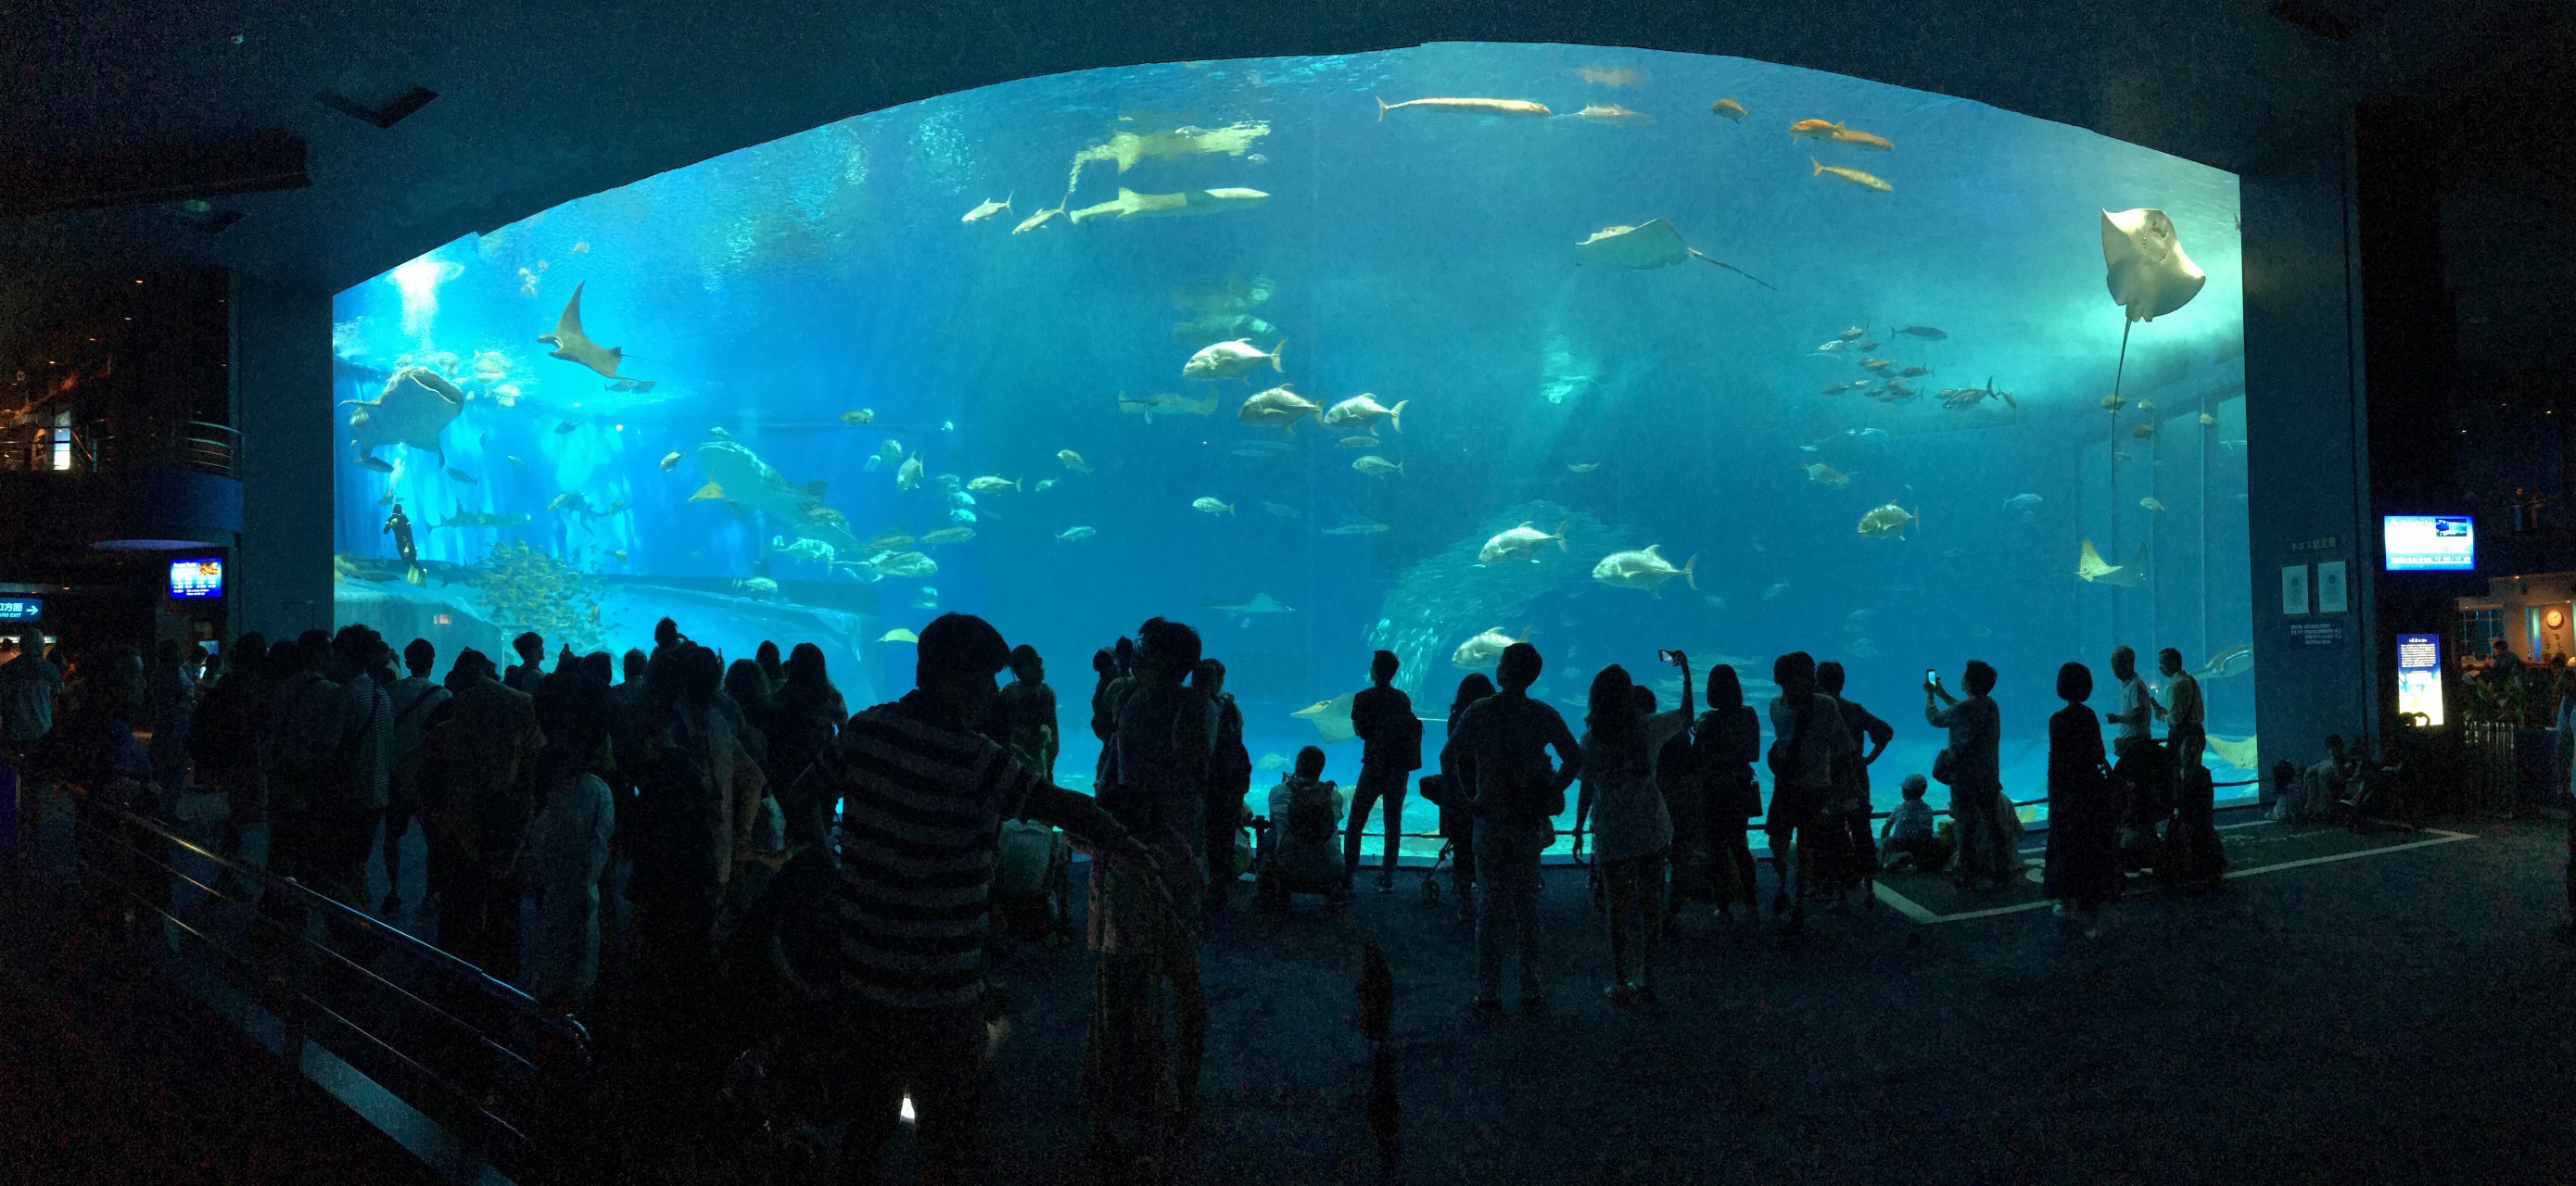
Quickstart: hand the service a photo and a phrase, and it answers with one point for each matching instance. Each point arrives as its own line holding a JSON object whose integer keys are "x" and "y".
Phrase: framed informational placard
{"x": 2331, "y": 598}
{"x": 2294, "y": 589}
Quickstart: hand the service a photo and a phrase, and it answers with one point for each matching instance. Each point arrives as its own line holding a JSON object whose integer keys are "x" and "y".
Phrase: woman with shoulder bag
{"x": 1724, "y": 745}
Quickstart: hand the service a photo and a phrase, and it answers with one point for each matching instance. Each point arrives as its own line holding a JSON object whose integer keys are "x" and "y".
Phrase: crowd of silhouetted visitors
{"x": 756, "y": 860}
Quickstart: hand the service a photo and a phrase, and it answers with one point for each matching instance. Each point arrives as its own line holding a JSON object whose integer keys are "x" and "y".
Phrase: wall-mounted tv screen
{"x": 196, "y": 578}
{"x": 2419, "y": 542}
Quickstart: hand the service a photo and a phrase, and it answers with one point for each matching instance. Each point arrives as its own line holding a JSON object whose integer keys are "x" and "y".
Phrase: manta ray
{"x": 572, "y": 345}
{"x": 1332, "y": 718}
{"x": 2090, "y": 569}
{"x": 416, "y": 405}
{"x": 1258, "y": 603}
{"x": 1654, "y": 245}
{"x": 2144, "y": 265}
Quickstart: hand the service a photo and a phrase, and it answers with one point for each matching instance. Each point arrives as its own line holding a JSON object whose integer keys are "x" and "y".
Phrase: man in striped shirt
{"x": 923, "y": 800}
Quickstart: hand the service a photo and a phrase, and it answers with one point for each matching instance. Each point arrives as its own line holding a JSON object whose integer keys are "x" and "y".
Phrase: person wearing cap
{"x": 923, "y": 799}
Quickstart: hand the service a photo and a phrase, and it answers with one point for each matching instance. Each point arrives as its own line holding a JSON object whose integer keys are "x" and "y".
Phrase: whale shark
{"x": 746, "y": 482}
{"x": 416, "y": 405}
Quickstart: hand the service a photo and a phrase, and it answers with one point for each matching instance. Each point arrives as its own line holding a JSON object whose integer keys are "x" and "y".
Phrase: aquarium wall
{"x": 1426, "y": 350}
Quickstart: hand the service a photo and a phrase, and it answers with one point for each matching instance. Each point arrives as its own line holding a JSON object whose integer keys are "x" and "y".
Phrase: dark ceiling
{"x": 539, "y": 103}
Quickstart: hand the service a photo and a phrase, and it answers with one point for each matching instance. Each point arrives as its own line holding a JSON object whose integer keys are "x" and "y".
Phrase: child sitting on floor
{"x": 1909, "y": 841}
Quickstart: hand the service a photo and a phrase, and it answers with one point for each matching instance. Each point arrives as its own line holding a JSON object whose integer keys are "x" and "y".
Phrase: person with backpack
{"x": 522, "y": 677}
{"x": 1517, "y": 794}
{"x": 228, "y": 743}
{"x": 1139, "y": 1093}
{"x": 304, "y": 726}
{"x": 924, "y": 796}
{"x": 1972, "y": 769}
{"x": 1811, "y": 741}
{"x": 805, "y": 715}
{"x": 415, "y": 700}
{"x": 1855, "y": 851}
{"x": 1668, "y": 747}
{"x": 1725, "y": 744}
{"x": 348, "y": 812}
{"x": 477, "y": 777}
{"x": 1229, "y": 780}
{"x": 567, "y": 841}
{"x": 1391, "y": 737}
{"x": 1305, "y": 818}
{"x": 1446, "y": 790}
{"x": 698, "y": 794}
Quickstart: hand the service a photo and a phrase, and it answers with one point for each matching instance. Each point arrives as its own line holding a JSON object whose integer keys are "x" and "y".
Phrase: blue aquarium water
{"x": 1838, "y": 387}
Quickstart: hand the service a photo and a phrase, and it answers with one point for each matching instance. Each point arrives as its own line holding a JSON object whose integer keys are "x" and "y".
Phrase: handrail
{"x": 500, "y": 1074}
{"x": 498, "y": 991}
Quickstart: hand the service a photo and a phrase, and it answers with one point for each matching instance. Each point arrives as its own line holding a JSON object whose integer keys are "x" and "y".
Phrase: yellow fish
{"x": 1072, "y": 461}
{"x": 707, "y": 492}
{"x": 581, "y": 248}
{"x": 2147, "y": 407}
{"x": 2113, "y": 402}
{"x": 671, "y": 460}
{"x": 2151, "y": 504}
{"x": 1854, "y": 176}
{"x": 1821, "y": 472}
{"x": 1886, "y": 521}
{"x": 898, "y": 634}
{"x": 2207, "y": 420}
{"x": 1729, "y": 108}
{"x": 861, "y": 416}
{"x": 1519, "y": 108}
{"x": 1813, "y": 129}
{"x": 1843, "y": 135}
{"x": 2142, "y": 431}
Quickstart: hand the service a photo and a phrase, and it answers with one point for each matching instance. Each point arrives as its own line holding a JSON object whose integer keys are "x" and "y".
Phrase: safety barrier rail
{"x": 503, "y": 1076}
{"x": 93, "y": 446}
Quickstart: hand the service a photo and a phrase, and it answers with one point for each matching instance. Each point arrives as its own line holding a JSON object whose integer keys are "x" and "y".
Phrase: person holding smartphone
{"x": 1976, "y": 783}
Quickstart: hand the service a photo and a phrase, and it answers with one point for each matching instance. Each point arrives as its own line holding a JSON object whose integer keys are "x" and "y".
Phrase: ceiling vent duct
{"x": 170, "y": 173}
{"x": 382, "y": 115}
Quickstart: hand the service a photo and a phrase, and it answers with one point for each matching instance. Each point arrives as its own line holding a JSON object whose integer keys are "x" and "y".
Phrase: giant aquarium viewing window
{"x": 1427, "y": 350}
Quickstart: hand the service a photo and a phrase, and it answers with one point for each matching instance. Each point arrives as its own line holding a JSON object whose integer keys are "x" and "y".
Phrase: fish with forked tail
{"x": 1854, "y": 176}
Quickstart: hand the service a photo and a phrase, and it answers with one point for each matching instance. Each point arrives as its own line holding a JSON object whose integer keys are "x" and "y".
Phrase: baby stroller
{"x": 1455, "y": 825}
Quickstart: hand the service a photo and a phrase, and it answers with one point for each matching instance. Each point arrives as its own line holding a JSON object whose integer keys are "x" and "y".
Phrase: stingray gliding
{"x": 572, "y": 345}
{"x": 1654, "y": 245}
{"x": 2144, "y": 267}
{"x": 2090, "y": 568}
